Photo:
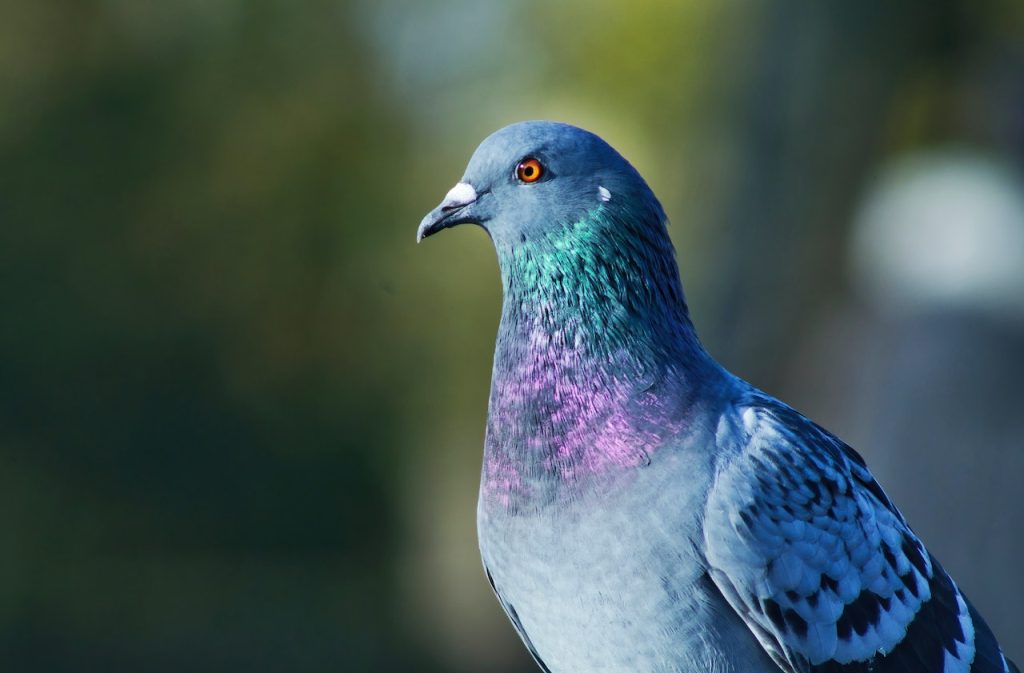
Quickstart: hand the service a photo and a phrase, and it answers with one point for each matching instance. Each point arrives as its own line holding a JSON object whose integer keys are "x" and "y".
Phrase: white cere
{"x": 459, "y": 195}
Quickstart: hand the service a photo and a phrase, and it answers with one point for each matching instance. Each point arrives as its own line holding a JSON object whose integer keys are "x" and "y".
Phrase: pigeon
{"x": 642, "y": 509}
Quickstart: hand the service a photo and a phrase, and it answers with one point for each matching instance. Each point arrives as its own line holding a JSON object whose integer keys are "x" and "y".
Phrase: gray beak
{"x": 454, "y": 209}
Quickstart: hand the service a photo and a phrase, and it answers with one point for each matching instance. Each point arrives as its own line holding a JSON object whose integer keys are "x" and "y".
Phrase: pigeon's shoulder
{"x": 808, "y": 549}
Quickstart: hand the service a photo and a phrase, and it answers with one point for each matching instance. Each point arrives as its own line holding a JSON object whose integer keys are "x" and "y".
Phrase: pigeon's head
{"x": 538, "y": 177}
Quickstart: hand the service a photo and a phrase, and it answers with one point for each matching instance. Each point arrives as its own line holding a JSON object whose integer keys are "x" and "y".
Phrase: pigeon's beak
{"x": 456, "y": 208}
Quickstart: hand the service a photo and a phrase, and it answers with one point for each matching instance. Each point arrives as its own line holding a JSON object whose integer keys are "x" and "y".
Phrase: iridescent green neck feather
{"x": 595, "y": 353}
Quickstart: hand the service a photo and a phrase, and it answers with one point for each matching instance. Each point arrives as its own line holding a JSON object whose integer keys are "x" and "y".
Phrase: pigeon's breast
{"x": 612, "y": 581}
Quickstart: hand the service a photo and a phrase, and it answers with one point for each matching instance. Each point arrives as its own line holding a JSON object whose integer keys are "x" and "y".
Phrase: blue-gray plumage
{"x": 643, "y": 510}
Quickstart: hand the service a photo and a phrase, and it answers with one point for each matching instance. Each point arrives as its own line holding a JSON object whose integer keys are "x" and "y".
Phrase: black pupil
{"x": 528, "y": 170}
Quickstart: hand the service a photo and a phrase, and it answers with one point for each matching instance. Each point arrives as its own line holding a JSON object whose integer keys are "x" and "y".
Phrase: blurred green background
{"x": 241, "y": 413}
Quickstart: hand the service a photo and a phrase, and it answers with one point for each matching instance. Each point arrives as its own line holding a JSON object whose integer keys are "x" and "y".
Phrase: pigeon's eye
{"x": 529, "y": 170}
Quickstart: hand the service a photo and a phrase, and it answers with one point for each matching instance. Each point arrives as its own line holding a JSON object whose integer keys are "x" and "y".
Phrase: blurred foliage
{"x": 240, "y": 413}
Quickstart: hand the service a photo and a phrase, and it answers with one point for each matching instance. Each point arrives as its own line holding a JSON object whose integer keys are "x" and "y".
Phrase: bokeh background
{"x": 241, "y": 413}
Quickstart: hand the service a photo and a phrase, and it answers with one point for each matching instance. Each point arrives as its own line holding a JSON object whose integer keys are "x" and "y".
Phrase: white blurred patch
{"x": 942, "y": 229}
{"x": 461, "y": 194}
{"x": 603, "y": 194}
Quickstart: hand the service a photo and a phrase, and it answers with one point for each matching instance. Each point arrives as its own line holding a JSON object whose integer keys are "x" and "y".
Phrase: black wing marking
{"x": 813, "y": 555}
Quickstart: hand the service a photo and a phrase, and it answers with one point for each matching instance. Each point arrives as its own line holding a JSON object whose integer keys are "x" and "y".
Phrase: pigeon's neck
{"x": 595, "y": 360}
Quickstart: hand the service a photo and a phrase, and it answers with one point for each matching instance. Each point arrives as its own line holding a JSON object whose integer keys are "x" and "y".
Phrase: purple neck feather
{"x": 594, "y": 360}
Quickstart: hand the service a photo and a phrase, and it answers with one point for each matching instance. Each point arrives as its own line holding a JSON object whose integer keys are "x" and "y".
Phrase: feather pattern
{"x": 806, "y": 546}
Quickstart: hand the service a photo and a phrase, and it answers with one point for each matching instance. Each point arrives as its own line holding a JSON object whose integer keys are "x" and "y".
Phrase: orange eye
{"x": 529, "y": 170}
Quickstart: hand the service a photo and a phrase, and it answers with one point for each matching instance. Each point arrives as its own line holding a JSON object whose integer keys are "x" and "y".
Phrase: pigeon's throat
{"x": 592, "y": 300}
{"x": 590, "y": 367}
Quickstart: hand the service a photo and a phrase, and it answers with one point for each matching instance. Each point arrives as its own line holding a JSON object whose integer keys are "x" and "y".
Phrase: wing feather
{"x": 809, "y": 550}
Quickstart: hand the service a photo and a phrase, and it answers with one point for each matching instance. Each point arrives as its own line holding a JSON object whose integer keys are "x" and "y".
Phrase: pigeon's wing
{"x": 510, "y": 611}
{"x": 810, "y": 552}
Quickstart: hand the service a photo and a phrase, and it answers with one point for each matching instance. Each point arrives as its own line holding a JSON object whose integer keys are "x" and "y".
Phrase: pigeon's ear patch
{"x": 604, "y": 194}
